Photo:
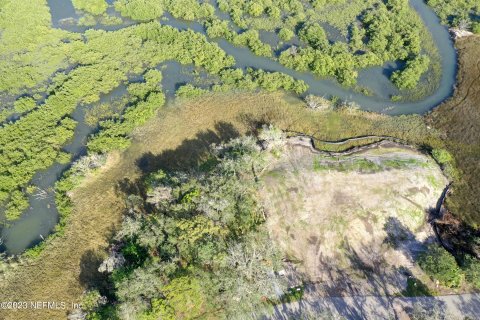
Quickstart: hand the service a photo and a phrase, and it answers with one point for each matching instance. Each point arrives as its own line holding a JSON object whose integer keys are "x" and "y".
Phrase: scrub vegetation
{"x": 190, "y": 255}
{"x": 140, "y": 9}
{"x": 443, "y": 267}
{"x": 189, "y": 243}
{"x": 146, "y": 98}
{"x": 375, "y": 32}
{"x": 462, "y": 14}
{"x": 31, "y": 51}
{"x": 95, "y": 7}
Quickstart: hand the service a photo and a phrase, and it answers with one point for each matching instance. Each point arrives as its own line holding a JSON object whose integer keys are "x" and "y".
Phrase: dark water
{"x": 375, "y": 79}
{"x": 42, "y": 215}
{"x": 40, "y": 218}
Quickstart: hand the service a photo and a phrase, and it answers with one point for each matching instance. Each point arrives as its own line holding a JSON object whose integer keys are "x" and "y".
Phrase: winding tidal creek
{"x": 42, "y": 216}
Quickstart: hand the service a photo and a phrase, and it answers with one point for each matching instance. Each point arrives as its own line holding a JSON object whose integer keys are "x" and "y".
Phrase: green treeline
{"x": 140, "y": 9}
{"x": 463, "y": 14}
{"x": 189, "y": 9}
{"x": 440, "y": 265}
{"x": 251, "y": 80}
{"x": 193, "y": 243}
{"x": 264, "y": 14}
{"x": 152, "y": 9}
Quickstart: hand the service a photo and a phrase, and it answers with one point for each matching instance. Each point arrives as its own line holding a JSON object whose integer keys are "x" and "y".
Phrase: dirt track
{"x": 452, "y": 307}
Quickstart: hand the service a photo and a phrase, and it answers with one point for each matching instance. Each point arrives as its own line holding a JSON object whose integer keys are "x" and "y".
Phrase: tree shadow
{"x": 342, "y": 300}
{"x": 190, "y": 153}
{"x": 89, "y": 276}
{"x": 402, "y": 239}
{"x": 390, "y": 68}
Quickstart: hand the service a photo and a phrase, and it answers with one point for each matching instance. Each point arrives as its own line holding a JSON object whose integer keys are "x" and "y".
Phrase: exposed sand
{"x": 336, "y": 223}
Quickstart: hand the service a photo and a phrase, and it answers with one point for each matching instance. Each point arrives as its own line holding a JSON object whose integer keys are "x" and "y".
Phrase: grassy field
{"x": 459, "y": 121}
{"x": 178, "y": 137}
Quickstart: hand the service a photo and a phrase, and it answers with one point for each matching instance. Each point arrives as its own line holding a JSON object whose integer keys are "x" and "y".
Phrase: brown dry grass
{"x": 67, "y": 265}
{"x": 459, "y": 120}
{"x": 177, "y": 137}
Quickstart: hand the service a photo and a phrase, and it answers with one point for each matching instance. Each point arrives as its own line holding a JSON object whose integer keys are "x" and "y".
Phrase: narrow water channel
{"x": 41, "y": 217}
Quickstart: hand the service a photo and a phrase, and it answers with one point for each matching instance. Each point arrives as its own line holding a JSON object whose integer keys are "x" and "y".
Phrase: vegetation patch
{"x": 463, "y": 14}
{"x": 95, "y": 7}
{"x": 365, "y": 165}
{"x": 458, "y": 119}
{"x": 195, "y": 242}
{"x": 439, "y": 264}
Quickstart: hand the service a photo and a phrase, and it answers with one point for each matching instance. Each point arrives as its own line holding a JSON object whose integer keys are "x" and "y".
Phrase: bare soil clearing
{"x": 351, "y": 220}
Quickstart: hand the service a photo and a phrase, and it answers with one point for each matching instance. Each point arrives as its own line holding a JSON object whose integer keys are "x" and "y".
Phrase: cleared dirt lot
{"x": 347, "y": 219}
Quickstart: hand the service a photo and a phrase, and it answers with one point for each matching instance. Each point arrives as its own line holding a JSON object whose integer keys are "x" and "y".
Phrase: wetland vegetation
{"x": 61, "y": 122}
{"x": 80, "y": 69}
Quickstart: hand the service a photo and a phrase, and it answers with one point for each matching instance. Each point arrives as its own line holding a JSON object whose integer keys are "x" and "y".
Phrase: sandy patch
{"x": 345, "y": 219}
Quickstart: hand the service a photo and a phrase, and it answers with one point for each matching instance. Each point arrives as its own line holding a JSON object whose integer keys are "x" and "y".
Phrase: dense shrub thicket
{"x": 378, "y": 32}
{"x": 194, "y": 243}
{"x": 463, "y": 14}
{"x": 384, "y": 31}
{"x": 409, "y": 77}
{"x": 140, "y": 9}
{"x": 441, "y": 266}
{"x": 95, "y": 7}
